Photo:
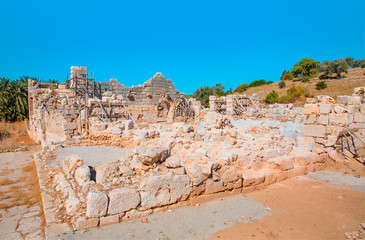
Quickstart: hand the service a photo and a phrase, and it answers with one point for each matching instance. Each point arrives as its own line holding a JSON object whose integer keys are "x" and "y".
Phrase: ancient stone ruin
{"x": 112, "y": 153}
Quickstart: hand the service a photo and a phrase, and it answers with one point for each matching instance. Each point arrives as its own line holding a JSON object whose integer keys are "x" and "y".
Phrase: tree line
{"x": 14, "y": 98}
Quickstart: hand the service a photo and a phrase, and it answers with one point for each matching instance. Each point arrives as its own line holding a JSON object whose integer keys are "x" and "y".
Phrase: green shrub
{"x": 321, "y": 85}
{"x": 286, "y": 99}
{"x": 241, "y": 88}
{"x": 321, "y": 77}
{"x": 296, "y": 91}
{"x": 305, "y": 79}
{"x": 282, "y": 84}
{"x": 287, "y": 76}
{"x": 272, "y": 97}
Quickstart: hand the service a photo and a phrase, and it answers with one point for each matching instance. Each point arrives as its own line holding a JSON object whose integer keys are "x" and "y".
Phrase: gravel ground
{"x": 189, "y": 222}
{"x": 92, "y": 155}
{"x": 355, "y": 182}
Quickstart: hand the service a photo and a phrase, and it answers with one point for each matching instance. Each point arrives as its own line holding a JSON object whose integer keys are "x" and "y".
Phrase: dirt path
{"x": 21, "y": 214}
{"x": 304, "y": 208}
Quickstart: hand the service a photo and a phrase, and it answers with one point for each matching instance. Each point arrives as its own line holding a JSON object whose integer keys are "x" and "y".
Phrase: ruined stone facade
{"x": 236, "y": 145}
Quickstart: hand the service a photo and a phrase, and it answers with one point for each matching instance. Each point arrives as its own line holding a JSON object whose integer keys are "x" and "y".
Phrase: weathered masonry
{"x": 64, "y": 112}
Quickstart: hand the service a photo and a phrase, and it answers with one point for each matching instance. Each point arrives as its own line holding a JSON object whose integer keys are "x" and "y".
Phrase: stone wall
{"x": 53, "y": 114}
{"x": 56, "y": 115}
{"x": 324, "y": 120}
{"x": 249, "y": 107}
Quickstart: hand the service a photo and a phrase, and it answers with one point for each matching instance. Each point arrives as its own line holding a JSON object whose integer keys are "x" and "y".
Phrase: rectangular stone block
{"x": 323, "y": 120}
{"x": 325, "y": 108}
{"x": 310, "y": 119}
{"x": 340, "y": 118}
{"x": 311, "y": 109}
{"x": 109, "y": 220}
{"x": 314, "y": 131}
{"x": 356, "y": 100}
{"x": 69, "y": 126}
{"x": 359, "y": 117}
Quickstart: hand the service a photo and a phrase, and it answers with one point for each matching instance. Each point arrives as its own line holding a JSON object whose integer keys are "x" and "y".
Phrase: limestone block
{"x": 173, "y": 162}
{"x": 310, "y": 119}
{"x": 72, "y": 205}
{"x": 314, "y": 130}
{"x": 82, "y": 175}
{"x": 213, "y": 186}
{"x": 72, "y": 162}
{"x": 195, "y": 172}
{"x": 122, "y": 200}
{"x": 177, "y": 171}
{"x": 323, "y": 119}
{"x": 325, "y": 108}
{"x": 341, "y": 118}
{"x": 305, "y": 143}
{"x": 151, "y": 155}
{"x": 311, "y": 109}
{"x": 339, "y": 109}
{"x": 330, "y": 141}
{"x": 109, "y": 220}
{"x": 69, "y": 126}
{"x": 163, "y": 189}
{"x": 230, "y": 175}
{"x": 284, "y": 162}
{"x": 82, "y": 223}
{"x": 359, "y": 117}
{"x": 129, "y": 124}
{"x": 97, "y": 204}
{"x": 356, "y": 100}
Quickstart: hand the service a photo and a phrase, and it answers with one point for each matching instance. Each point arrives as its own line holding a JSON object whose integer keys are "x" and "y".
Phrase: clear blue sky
{"x": 195, "y": 43}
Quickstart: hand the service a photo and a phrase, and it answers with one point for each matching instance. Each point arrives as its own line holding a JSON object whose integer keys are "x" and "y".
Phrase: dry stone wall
{"x": 324, "y": 120}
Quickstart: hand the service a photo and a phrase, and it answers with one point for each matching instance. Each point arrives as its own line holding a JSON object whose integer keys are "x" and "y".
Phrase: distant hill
{"x": 336, "y": 87}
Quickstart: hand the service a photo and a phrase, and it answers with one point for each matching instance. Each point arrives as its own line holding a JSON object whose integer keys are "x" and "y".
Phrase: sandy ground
{"x": 92, "y": 155}
{"x": 21, "y": 213}
{"x": 304, "y": 208}
{"x": 298, "y": 208}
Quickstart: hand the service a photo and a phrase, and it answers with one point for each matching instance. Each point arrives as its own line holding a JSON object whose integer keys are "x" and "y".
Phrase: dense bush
{"x": 285, "y": 99}
{"x": 304, "y": 67}
{"x": 282, "y": 84}
{"x": 256, "y": 83}
{"x": 353, "y": 63}
{"x": 305, "y": 79}
{"x": 202, "y": 94}
{"x": 241, "y": 88}
{"x": 287, "y": 76}
{"x": 272, "y": 97}
{"x": 330, "y": 67}
{"x": 321, "y": 85}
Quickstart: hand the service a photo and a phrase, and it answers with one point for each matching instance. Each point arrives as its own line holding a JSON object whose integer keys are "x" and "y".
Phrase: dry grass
{"x": 24, "y": 190}
{"x": 13, "y": 136}
{"x": 5, "y": 181}
{"x": 336, "y": 87}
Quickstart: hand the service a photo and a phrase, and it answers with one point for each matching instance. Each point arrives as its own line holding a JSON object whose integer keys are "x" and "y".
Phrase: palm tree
{"x": 4, "y": 97}
{"x": 20, "y": 99}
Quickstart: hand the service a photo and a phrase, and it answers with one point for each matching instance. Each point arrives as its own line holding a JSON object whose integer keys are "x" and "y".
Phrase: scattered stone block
{"x": 82, "y": 175}
{"x": 323, "y": 119}
{"x": 122, "y": 200}
{"x": 97, "y": 204}
{"x": 72, "y": 162}
{"x": 325, "y": 108}
{"x": 305, "y": 143}
{"x": 311, "y": 109}
{"x": 173, "y": 162}
{"x": 314, "y": 131}
{"x": 109, "y": 220}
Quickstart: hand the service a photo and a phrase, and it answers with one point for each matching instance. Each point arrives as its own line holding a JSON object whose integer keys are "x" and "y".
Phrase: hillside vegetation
{"x": 335, "y": 87}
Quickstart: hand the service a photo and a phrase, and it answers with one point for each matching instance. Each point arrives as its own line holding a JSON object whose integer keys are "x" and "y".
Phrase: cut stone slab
{"x": 97, "y": 204}
{"x": 122, "y": 200}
